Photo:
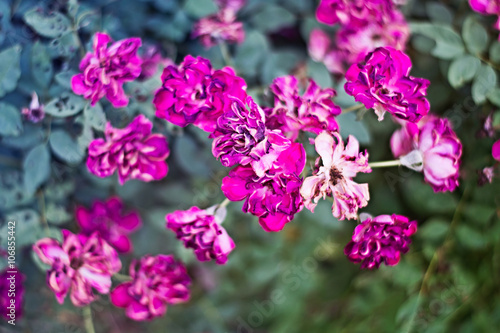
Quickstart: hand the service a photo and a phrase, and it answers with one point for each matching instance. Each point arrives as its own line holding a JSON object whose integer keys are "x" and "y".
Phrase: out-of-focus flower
{"x": 319, "y": 44}
{"x": 487, "y": 7}
{"x": 314, "y": 111}
{"x": 35, "y": 112}
{"x": 151, "y": 60}
{"x": 334, "y": 177}
{"x": 195, "y": 94}
{"x": 11, "y": 293}
{"x": 495, "y": 150}
{"x": 352, "y": 12}
{"x": 380, "y": 239}
{"x": 486, "y": 176}
{"x": 274, "y": 197}
{"x": 242, "y": 138}
{"x": 80, "y": 263}
{"x": 220, "y": 27}
{"x": 383, "y": 83}
{"x": 108, "y": 219}
{"x": 234, "y": 5}
{"x": 133, "y": 151}
{"x": 105, "y": 70}
{"x": 439, "y": 148}
{"x": 156, "y": 282}
{"x": 201, "y": 230}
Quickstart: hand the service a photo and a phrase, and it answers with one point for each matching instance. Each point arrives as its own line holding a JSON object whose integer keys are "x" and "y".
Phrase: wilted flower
{"x": 108, "y": 219}
{"x": 220, "y": 27}
{"x": 11, "y": 302}
{"x": 35, "y": 112}
{"x": 156, "y": 282}
{"x": 80, "y": 263}
{"x": 201, "y": 230}
{"x": 151, "y": 60}
{"x": 437, "y": 147}
{"x": 495, "y": 150}
{"x": 105, "y": 70}
{"x": 195, "y": 94}
{"x": 242, "y": 138}
{"x": 486, "y": 176}
{"x": 133, "y": 151}
{"x": 487, "y": 7}
{"x": 383, "y": 83}
{"x": 274, "y": 197}
{"x": 334, "y": 177}
{"x": 380, "y": 239}
{"x": 314, "y": 111}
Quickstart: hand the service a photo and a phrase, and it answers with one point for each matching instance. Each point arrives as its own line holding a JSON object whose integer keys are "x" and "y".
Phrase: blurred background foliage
{"x": 297, "y": 280}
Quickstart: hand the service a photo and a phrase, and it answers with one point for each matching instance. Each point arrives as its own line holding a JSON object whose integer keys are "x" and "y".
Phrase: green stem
{"x": 121, "y": 277}
{"x": 41, "y": 203}
{"x": 87, "y": 319}
{"x": 353, "y": 108}
{"x": 224, "y": 203}
{"x": 224, "y": 50}
{"x": 384, "y": 164}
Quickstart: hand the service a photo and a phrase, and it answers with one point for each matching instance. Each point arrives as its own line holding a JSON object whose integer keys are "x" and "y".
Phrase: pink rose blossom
{"x": 274, "y": 197}
{"x": 352, "y": 11}
{"x": 242, "y": 138}
{"x": 11, "y": 281}
{"x": 487, "y": 7}
{"x": 193, "y": 93}
{"x": 35, "y": 112}
{"x": 220, "y": 27}
{"x": 383, "y": 83}
{"x": 439, "y": 148}
{"x": 80, "y": 263}
{"x": 380, "y": 239}
{"x": 108, "y": 219}
{"x": 234, "y": 5}
{"x": 151, "y": 60}
{"x": 334, "y": 177}
{"x": 156, "y": 282}
{"x": 105, "y": 70}
{"x": 201, "y": 231}
{"x": 313, "y": 112}
{"x": 133, "y": 151}
{"x": 319, "y": 44}
{"x": 495, "y": 150}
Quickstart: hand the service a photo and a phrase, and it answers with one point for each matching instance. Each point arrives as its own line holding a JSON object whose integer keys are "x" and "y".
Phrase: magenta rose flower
{"x": 193, "y": 93}
{"x": 495, "y": 150}
{"x": 334, "y": 177}
{"x": 35, "y": 112}
{"x": 242, "y": 138}
{"x": 78, "y": 265}
{"x": 434, "y": 144}
{"x": 274, "y": 197}
{"x": 380, "y": 239}
{"x": 105, "y": 70}
{"x": 133, "y": 151}
{"x": 383, "y": 83}
{"x": 11, "y": 279}
{"x": 108, "y": 219}
{"x": 313, "y": 112}
{"x": 352, "y": 11}
{"x": 201, "y": 230}
{"x": 219, "y": 27}
{"x": 156, "y": 282}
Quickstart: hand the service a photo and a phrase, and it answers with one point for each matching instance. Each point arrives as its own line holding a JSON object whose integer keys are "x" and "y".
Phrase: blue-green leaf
{"x": 10, "y": 71}
{"x": 36, "y": 166}
{"x": 66, "y": 105}
{"x": 10, "y": 120}
{"x": 484, "y": 82}
{"x": 449, "y": 44}
{"x": 65, "y": 147}
{"x": 475, "y": 35}
{"x": 53, "y": 25}
{"x": 272, "y": 17}
{"x": 41, "y": 64}
{"x": 463, "y": 70}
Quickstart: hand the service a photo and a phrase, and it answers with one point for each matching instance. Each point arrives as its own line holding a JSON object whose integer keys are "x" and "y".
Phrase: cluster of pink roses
{"x": 364, "y": 26}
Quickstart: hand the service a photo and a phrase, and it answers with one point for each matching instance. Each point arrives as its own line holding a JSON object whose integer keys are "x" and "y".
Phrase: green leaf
{"x": 479, "y": 213}
{"x": 318, "y": 72}
{"x": 10, "y": 70}
{"x": 251, "y": 52}
{"x": 57, "y": 213}
{"x": 95, "y": 117}
{"x": 67, "y": 105}
{"x": 10, "y": 120}
{"x": 484, "y": 82}
{"x": 36, "y": 166}
{"x": 470, "y": 238}
{"x": 475, "y": 36}
{"x": 41, "y": 64}
{"x": 199, "y": 8}
{"x": 31, "y": 136}
{"x": 187, "y": 154}
{"x": 277, "y": 64}
{"x": 449, "y": 45}
{"x": 272, "y": 17}
{"x": 53, "y": 25}
{"x": 350, "y": 126}
{"x": 434, "y": 230}
{"x": 422, "y": 198}
{"x": 12, "y": 192}
{"x": 495, "y": 52}
{"x": 64, "y": 46}
{"x": 438, "y": 12}
{"x": 65, "y": 148}
{"x": 463, "y": 70}
{"x": 27, "y": 223}
{"x": 494, "y": 96}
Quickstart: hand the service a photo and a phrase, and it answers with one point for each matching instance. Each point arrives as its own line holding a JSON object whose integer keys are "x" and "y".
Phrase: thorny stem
{"x": 434, "y": 261}
{"x": 353, "y": 108}
{"x": 384, "y": 164}
{"x": 87, "y": 319}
